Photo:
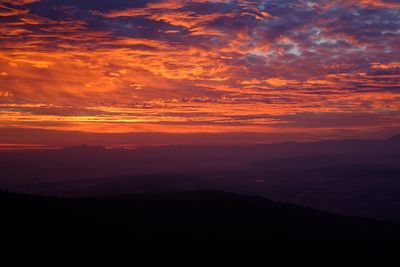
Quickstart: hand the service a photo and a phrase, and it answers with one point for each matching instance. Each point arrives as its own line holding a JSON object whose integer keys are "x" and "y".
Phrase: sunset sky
{"x": 142, "y": 72}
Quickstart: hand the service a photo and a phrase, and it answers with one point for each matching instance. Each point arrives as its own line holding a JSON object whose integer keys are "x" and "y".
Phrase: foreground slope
{"x": 115, "y": 230}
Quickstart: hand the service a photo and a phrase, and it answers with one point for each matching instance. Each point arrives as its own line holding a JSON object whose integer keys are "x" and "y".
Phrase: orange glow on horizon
{"x": 198, "y": 66}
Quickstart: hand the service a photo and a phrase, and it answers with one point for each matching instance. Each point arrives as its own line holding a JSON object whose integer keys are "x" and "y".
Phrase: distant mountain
{"x": 114, "y": 231}
{"x": 395, "y": 138}
{"x": 85, "y": 148}
{"x": 351, "y": 177}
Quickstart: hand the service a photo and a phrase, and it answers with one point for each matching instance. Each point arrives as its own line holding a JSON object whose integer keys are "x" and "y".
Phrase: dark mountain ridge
{"x": 350, "y": 177}
{"x": 87, "y": 162}
{"x": 114, "y": 230}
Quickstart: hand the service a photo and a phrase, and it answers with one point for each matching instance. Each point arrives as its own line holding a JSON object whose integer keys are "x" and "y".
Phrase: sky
{"x": 153, "y": 72}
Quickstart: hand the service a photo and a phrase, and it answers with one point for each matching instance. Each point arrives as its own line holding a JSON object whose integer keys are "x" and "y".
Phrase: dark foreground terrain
{"x": 152, "y": 230}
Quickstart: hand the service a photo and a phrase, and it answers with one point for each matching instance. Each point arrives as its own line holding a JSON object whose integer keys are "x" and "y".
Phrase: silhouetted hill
{"x": 88, "y": 162}
{"x": 116, "y": 230}
{"x": 350, "y": 177}
{"x": 83, "y": 148}
{"x": 395, "y": 138}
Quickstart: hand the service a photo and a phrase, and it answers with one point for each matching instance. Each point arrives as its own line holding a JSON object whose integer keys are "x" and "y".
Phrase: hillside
{"x": 112, "y": 230}
{"x": 349, "y": 177}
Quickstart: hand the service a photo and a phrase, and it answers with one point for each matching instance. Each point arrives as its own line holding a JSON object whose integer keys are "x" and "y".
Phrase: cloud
{"x": 387, "y": 66}
{"x": 18, "y": 2}
{"x": 198, "y": 66}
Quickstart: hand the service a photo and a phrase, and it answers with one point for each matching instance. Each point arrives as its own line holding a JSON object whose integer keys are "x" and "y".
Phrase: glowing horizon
{"x": 222, "y": 71}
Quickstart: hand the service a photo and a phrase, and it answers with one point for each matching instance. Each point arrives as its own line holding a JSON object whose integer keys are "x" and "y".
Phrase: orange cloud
{"x": 379, "y": 3}
{"x": 392, "y": 65}
{"x": 196, "y": 66}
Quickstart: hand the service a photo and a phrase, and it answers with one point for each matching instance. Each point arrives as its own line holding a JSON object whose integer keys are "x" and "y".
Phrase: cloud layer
{"x": 314, "y": 68}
